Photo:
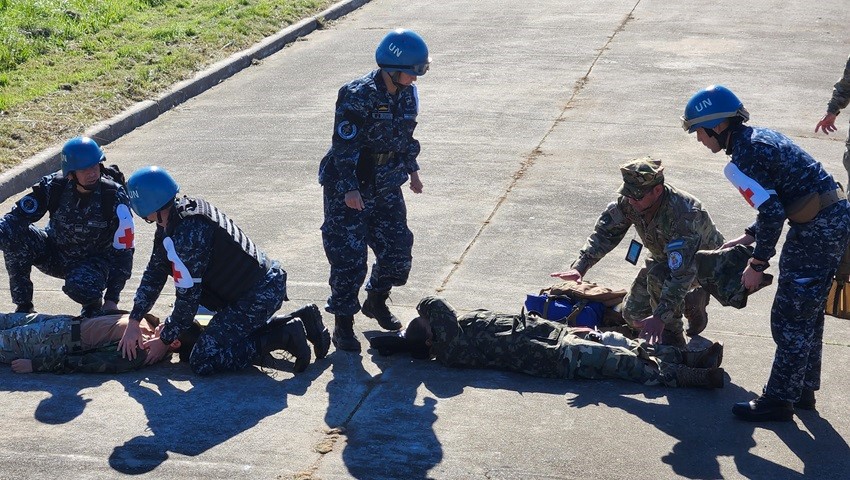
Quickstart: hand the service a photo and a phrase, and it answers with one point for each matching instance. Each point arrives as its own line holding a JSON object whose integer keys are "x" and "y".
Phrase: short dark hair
{"x": 416, "y": 336}
{"x": 188, "y": 339}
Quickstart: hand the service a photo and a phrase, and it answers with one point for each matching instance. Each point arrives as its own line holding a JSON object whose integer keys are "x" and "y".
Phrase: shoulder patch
{"x": 674, "y": 260}
{"x": 28, "y": 204}
{"x": 675, "y": 244}
{"x": 346, "y": 130}
{"x": 614, "y": 211}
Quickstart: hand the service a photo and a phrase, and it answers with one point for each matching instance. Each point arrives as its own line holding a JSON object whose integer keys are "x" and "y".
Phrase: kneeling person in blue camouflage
{"x": 673, "y": 225}
{"x": 34, "y": 342}
{"x": 214, "y": 265}
{"x": 88, "y": 240}
{"x": 534, "y": 346}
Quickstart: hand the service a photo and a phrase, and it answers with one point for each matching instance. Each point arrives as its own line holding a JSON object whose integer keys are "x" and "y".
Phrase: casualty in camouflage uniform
{"x": 215, "y": 265}
{"x": 781, "y": 182}
{"x": 534, "y": 346}
{"x": 672, "y": 225}
{"x": 65, "y": 344}
{"x": 88, "y": 240}
{"x": 839, "y": 101}
{"x": 719, "y": 273}
{"x": 372, "y": 154}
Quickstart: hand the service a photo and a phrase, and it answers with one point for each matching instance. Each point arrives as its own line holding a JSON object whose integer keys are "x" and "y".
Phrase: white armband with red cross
{"x": 750, "y": 189}
{"x": 179, "y": 272}
{"x": 125, "y": 234}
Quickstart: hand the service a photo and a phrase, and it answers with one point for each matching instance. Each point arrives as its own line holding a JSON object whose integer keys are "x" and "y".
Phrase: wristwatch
{"x": 759, "y": 267}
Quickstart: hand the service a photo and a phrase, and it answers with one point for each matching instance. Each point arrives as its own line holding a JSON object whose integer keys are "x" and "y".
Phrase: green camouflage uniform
{"x": 538, "y": 347}
{"x": 53, "y": 344}
{"x": 679, "y": 227}
{"x": 839, "y": 101}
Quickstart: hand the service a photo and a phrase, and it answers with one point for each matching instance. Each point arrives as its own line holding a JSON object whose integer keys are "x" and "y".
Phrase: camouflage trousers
{"x": 808, "y": 262}
{"x": 229, "y": 342}
{"x": 348, "y": 233}
{"x": 35, "y": 335}
{"x": 847, "y": 158}
{"x": 26, "y": 246}
{"x": 592, "y": 360}
{"x": 645, "y": 293}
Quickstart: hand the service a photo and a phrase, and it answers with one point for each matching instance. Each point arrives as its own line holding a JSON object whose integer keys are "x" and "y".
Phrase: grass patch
{"x": 68, "y": 64}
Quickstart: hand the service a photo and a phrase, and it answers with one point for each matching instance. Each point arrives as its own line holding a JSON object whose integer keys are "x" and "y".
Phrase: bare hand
{"x": 751, "y": 279}
{"x": 156, "y": 350}
{"x": 651, "y": 329}
{"x": 571, "y": 274}
{"x": 415, "y": 183}
{"x": 826, "y": 124}
{"x": 22, "y": 365}
{"x": 354, "y": 200}
{"x": 745, "y": 239}
{"x": 131, "y": 340}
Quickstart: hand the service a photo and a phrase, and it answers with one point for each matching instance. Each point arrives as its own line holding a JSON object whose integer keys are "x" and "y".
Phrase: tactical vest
{"x": 236, "y": 264}
{"x": 82, "y": 230}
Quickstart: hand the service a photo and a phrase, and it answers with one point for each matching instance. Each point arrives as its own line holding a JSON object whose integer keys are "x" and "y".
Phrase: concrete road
{"x": 526, "y": 113}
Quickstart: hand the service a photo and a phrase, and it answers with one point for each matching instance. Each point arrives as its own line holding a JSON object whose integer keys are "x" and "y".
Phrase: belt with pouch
{"x": 807, "y": 208}
{"x": 381, "y": 158}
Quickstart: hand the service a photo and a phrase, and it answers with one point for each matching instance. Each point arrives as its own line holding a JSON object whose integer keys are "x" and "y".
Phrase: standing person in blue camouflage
{"x": 372, "y": 154}
{"x": 89, "y": 238}
{"x": 534, "y": 346}
{"x": 673, "y": 225}
{"x": 215, "y": 265}
{"x": 839, "y": 101}
{"x": 781, "y": 181}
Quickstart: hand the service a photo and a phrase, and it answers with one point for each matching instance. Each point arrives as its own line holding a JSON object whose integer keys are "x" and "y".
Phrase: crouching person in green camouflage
{"x": 531, "y": 345}
{"x": 673, "y": 225}
{"x": 34, "y": 342}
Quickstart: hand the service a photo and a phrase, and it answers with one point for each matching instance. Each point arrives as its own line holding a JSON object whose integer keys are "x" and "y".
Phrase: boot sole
{"x": 317, "y": 333}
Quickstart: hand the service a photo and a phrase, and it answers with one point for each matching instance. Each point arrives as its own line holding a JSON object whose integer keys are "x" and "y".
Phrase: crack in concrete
{"x": 537, "y": 151}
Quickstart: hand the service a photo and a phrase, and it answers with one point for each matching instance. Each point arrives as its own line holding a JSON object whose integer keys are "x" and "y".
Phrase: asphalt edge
{"x": 24, "y": 175}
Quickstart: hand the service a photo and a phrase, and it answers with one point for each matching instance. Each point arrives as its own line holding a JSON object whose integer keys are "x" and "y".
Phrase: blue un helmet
{"x": 79, "y": 153}
{"x": 151, "y": 189}
{"x": 403, "y": 51}
{"x": 710, "y": 106}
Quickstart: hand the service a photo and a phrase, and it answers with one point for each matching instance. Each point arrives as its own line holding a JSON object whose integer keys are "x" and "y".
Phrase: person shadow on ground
{"x": 381, "y": 418}
{"x": 705, "y": 428}
{"x": 211, "y": 411}
{"x": 65, "y": 401}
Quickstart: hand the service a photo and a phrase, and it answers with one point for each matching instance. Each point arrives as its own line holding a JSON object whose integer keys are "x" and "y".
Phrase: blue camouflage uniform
{"x": 214, "y": 264}
{"x": 86, "y": 241}
{"x": 373, "y": 151}
{"x": 773, "y": 174}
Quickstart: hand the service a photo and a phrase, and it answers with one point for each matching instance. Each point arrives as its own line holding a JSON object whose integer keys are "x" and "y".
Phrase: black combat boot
{"x": 290, "y": 337}
{"x": 25, "y": 308}
{"x": 699, "y": 377}
{"x": 375, "y": 307}
{"x": 317, "y": 334}
{"x": 710, "y": 357}
{"x": 807, "y": 400}
{"x": 764, "y": 409}
{"x": 92, "y": 309}
{"x": 343, "y": 337}
{"x": 695, "y": 302}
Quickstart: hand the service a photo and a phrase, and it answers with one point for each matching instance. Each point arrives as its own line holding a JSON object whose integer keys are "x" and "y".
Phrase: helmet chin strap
{"x": 722, "y": 137}
{"x": 84, "y": 187}
{"x": 394, "y": 76}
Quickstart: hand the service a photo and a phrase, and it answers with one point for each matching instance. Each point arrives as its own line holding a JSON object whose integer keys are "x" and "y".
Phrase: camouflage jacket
{"x": 103, "y": 359}
{"x": 192, "y": 240}
{"x": 840, "y": 93}
{"x": 80, "y": 227}
{"x": 370, "y": 119}
{"x": 484, "y": 339}
{"x": 679, "y": 227}
{"x": 772, "y": 173}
